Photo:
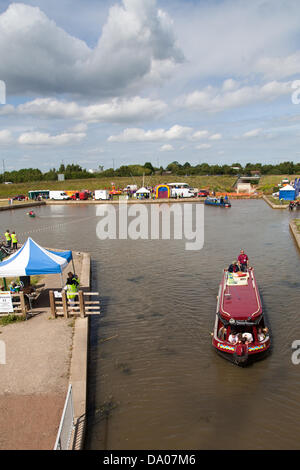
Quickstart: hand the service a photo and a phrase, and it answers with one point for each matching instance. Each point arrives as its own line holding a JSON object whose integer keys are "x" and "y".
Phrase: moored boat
{"x": 217, "y": 201}
{"x": 240, "y": 332}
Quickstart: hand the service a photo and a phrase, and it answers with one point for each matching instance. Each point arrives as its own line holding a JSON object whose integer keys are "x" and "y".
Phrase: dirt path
{"x": 34, "y": 380}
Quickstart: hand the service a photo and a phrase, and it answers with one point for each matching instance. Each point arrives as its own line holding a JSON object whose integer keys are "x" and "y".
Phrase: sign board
{"x": 6, "y": 305}
{"x": 61, "y": 177}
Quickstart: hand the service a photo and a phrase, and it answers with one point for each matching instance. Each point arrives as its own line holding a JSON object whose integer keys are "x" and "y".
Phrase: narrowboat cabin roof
{"x": 239, "y": 298}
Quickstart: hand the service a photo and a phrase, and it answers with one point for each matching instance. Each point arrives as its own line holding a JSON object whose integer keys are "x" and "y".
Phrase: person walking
{"x": 14, "y": 241}
{"x": 8, "y": 238}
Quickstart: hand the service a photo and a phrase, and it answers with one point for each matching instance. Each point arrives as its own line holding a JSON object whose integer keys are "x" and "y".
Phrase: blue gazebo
{"x": 287, "y": 193}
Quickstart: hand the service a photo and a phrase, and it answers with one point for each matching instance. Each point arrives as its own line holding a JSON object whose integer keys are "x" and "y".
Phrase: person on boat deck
{"x": 222, "y": 333}
{"x": 261, "y": 335}
{"x": 233, "y": 267}
{"x": 233, "y": 337}
{"x": 248, "y": 337}
{"x": 243, "y": 261}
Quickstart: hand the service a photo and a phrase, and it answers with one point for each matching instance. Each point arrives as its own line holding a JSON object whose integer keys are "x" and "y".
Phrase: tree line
{"x": 75, "y": 171}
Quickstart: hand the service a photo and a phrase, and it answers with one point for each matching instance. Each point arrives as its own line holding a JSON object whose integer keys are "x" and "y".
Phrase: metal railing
{"x": 66, "y": 423}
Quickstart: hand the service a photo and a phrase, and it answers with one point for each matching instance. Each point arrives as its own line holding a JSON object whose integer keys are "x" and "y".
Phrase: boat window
{"x": 235, "y": 279}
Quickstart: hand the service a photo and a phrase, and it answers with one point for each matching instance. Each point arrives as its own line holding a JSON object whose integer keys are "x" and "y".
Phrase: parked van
{"x": 102, "y": 194}
{"x": 58, "y": 195}
{"x": 181, "y": 190}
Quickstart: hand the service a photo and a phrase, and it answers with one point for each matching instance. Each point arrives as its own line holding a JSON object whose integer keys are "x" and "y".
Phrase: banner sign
{"x": 6, "y": 305}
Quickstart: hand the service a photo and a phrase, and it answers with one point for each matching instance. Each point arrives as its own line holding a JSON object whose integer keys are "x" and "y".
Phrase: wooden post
{"x": 52, "y": 303}
{"x": 81, "y": 304}
{"x": 23, "y": 304}
{"x": 65, "y": 303}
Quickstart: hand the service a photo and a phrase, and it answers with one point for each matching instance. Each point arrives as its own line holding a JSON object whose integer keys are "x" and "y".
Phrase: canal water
{"x": 154, "y": 380}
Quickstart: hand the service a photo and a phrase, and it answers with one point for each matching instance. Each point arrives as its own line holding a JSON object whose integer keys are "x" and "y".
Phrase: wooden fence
{"x": 82, "y": 306}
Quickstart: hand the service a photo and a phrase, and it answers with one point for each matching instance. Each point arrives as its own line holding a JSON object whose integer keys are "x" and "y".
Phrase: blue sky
{"x": 129, "y": 81}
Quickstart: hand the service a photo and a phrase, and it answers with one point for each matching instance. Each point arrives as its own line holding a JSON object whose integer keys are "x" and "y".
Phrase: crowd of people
{"x": 294, "y": 205}
{"x": 246, "y": 337}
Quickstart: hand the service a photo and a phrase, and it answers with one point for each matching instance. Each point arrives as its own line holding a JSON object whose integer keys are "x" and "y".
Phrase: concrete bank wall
{"x": 79, "y": 362}
{"x": 146, "y": 201}
{"x": 295, "y": 232}
{"x": 275, "y": 206}
{"x": 22, "y": 206}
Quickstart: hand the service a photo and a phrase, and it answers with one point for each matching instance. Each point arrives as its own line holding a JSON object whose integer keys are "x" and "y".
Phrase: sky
{"x": 119, "y": 82}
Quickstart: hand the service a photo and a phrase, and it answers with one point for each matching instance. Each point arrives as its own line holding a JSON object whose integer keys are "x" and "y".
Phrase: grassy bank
{"x": 216, "y": 183}
{"x": 277, "y": 202}
{"x": 297, "y": 223}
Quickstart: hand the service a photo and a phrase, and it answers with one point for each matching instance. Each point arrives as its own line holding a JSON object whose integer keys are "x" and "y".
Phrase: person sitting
{"x": 265, "y": 331}
{"x": 248, "y": 336}
{"x": 233, "y": 267}
{"x": 13, "y": 287}
{"x": 261, "y": 335}
{"x": 222, "y": 333}
{"x": 233, "y": 337}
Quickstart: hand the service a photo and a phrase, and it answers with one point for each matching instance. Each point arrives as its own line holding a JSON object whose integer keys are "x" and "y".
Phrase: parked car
{"x": 203, "y": 193}
{"x": 20, "y": 197}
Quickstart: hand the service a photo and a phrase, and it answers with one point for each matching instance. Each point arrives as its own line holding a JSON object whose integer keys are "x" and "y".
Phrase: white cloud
{"x": 166, "y": 148}
{"x": 203, "y": 146}
{"x": 41, "y": 138}
{"x": 252, "y": 133}
{"x": 37, "y": 56}
{"x": 140, "y": 135}
{"x": 81, "y": 127}
{"x": 5, "y": 137}
{"x": 213, "y": 99}
{"x": 279, "y": 67}
{"x": 215, "y": 137}
{"x": 229, "y": 37}
{"x": 200, "y": 135}
{"x": 115, "y": 110}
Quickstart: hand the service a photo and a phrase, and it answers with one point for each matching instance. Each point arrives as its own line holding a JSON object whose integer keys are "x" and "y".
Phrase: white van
{"x": 58, "y": 195}
{"x": 181, "y": 190}
{"x": 102, "y": 194}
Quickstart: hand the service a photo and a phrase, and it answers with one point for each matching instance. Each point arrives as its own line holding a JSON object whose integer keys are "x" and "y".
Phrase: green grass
{"x": 276, "y": 201}
{"x": 297, "y": 222}
{"x": 216, "y": 183}
{"x": 8, "y": 319}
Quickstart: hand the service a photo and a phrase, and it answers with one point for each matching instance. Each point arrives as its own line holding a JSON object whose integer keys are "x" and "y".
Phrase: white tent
{"x": 32, "y": 259}
{"x": 143, "y": 191}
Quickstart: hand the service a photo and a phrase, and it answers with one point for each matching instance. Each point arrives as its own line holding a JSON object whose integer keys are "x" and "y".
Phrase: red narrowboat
{"x": 240, "y": 332}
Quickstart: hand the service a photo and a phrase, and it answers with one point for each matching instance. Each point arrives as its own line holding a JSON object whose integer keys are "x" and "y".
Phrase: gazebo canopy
{"x": 143, "y": 191}
{"x": 32, "y": 259}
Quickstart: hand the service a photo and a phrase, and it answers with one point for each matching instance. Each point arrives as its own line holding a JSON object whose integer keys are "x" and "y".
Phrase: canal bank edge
{"x": 294, "y": 230}
{"x": 79, "y": 362}
{"x": 22, "y": 206}
{"x": 274, "y": 206}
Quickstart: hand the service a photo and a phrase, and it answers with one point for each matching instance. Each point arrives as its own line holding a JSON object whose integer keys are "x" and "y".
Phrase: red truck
{"x": 82, "y": 195}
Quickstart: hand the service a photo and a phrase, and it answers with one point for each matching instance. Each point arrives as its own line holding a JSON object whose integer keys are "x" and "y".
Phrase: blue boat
{"x": 217, "y": 201}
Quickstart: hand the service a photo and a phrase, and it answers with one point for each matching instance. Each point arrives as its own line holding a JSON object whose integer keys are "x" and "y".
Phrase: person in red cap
{"x": 243, "y": 261}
